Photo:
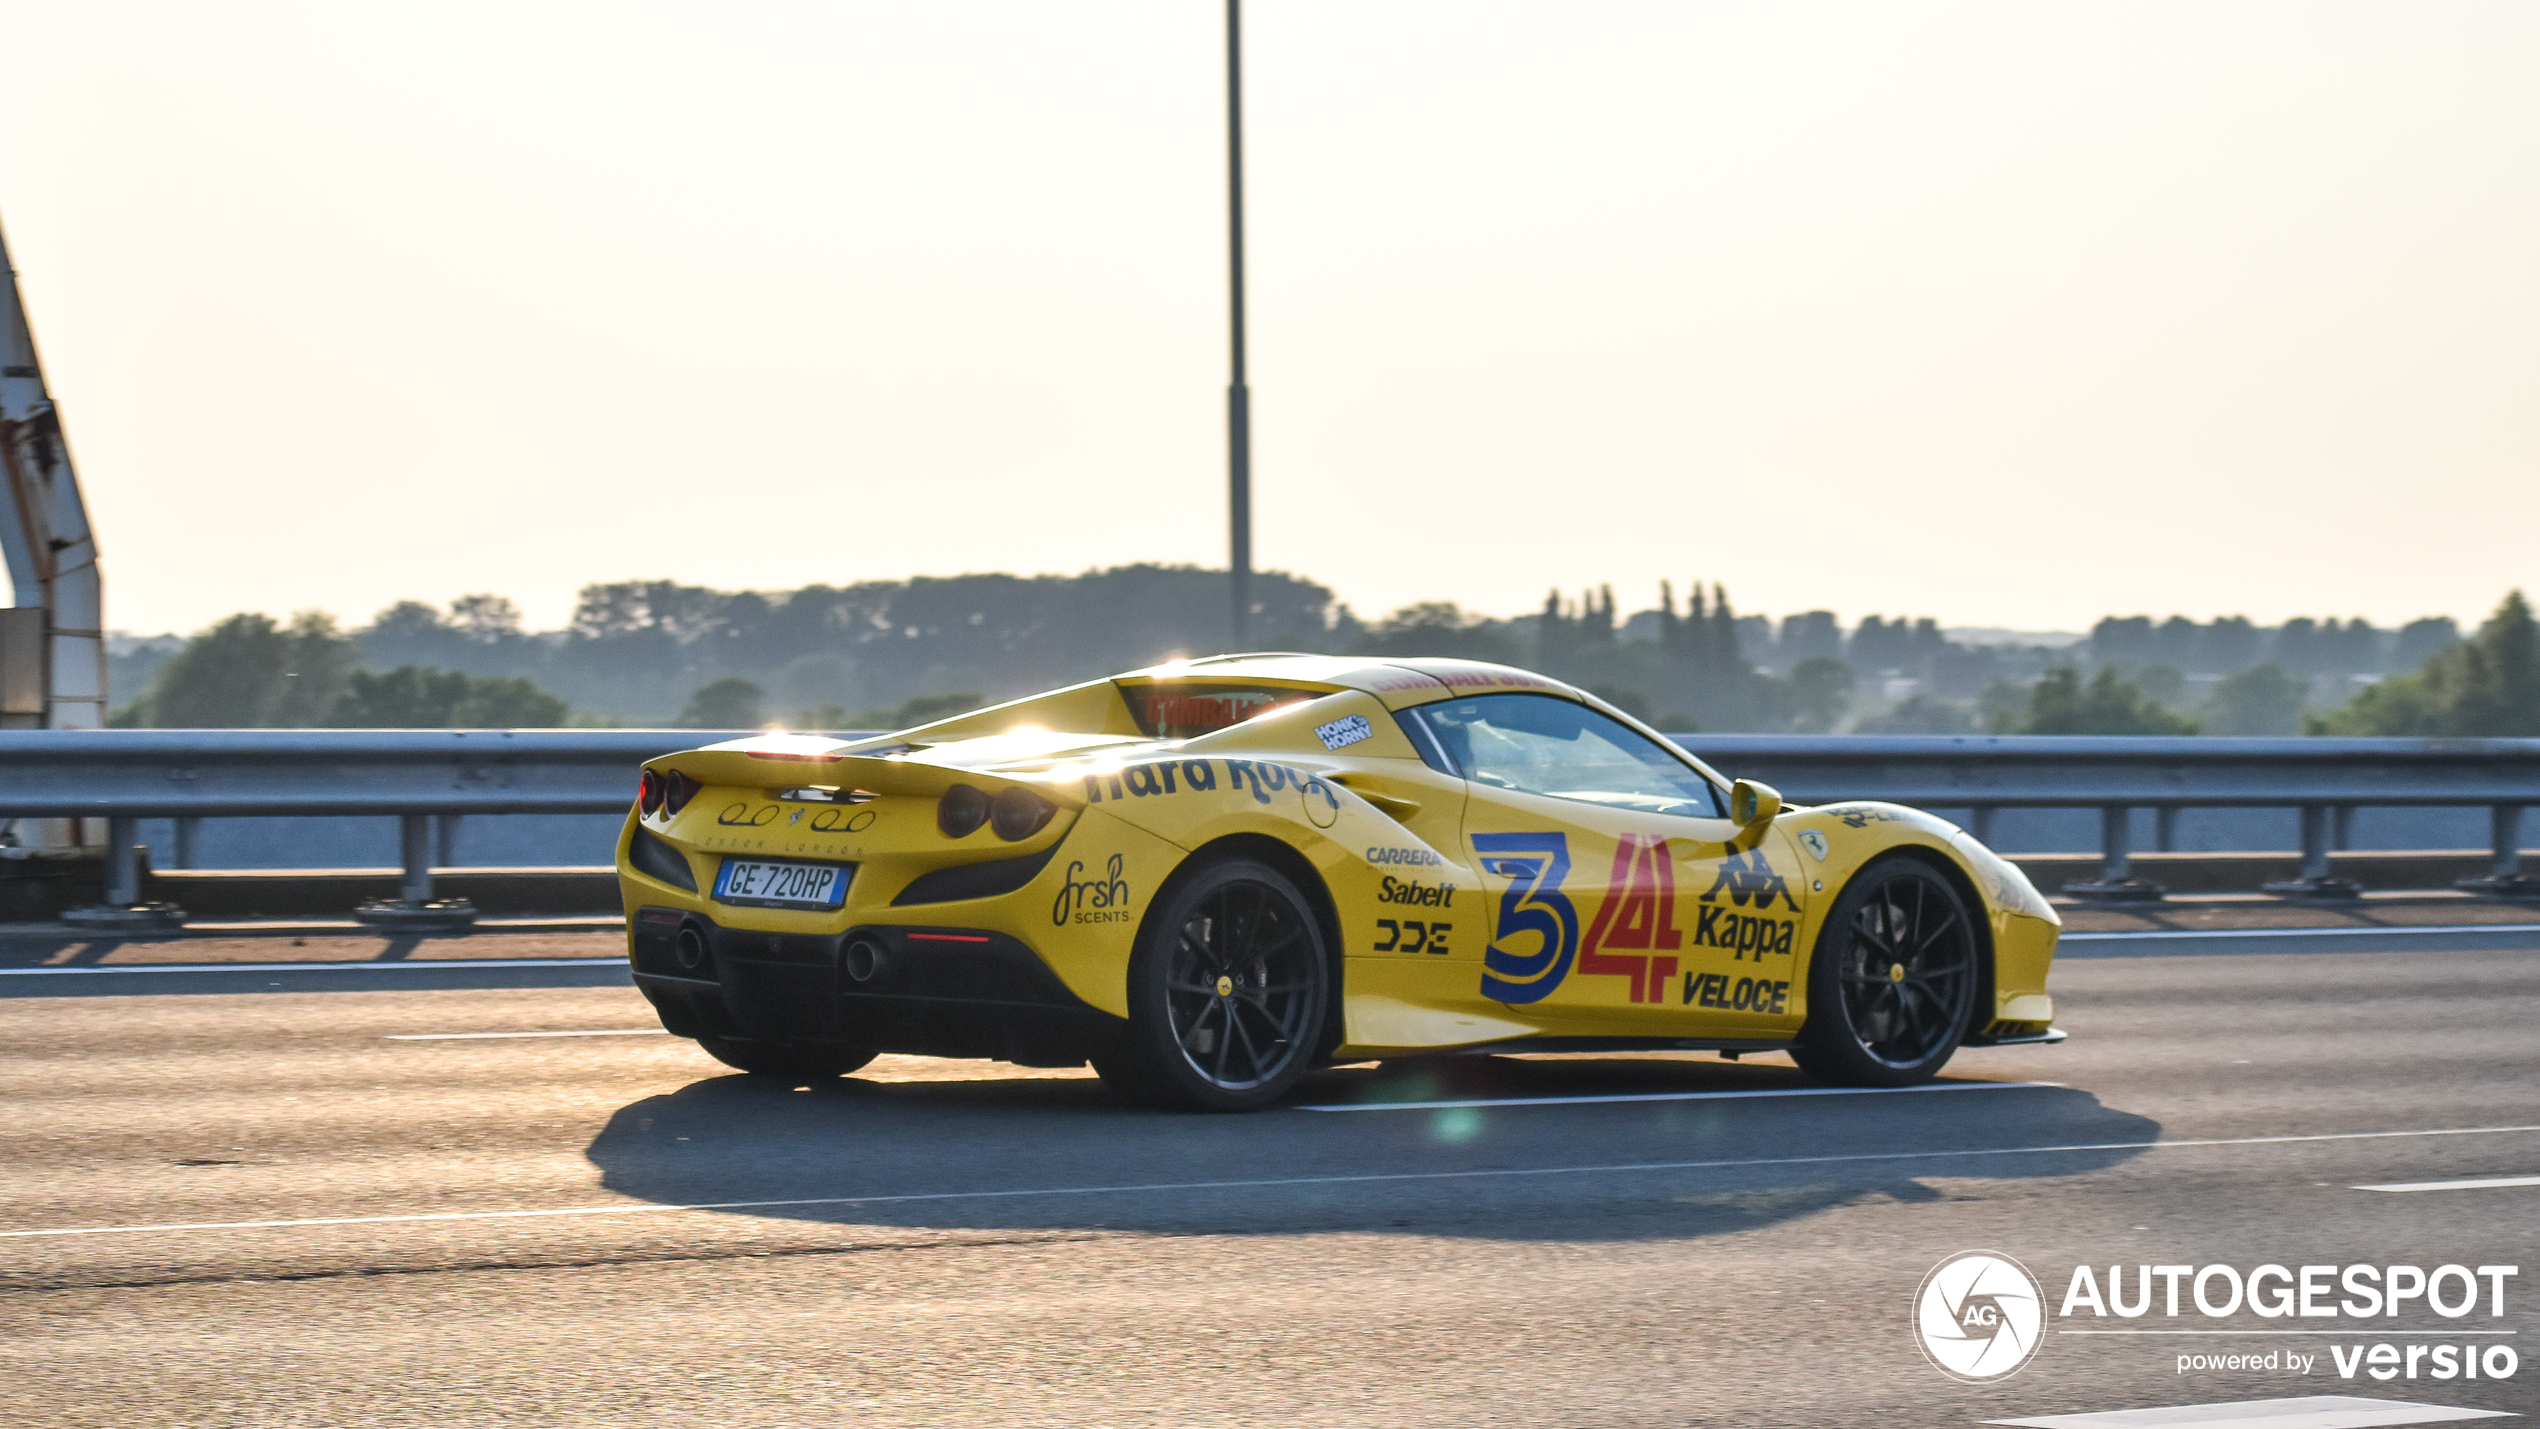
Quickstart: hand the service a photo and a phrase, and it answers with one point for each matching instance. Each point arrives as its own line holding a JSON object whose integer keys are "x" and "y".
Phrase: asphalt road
{"x": 612, "y": 1229}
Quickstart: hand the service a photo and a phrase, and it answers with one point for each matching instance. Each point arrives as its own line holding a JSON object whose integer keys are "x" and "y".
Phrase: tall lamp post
{"x": 1238, "y": 395}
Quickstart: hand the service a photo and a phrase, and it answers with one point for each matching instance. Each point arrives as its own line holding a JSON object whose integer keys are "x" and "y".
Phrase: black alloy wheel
{"x": 1893, "y": 982}
{"x": 784, "y": 1061}
{"x": 1226, "y": 993}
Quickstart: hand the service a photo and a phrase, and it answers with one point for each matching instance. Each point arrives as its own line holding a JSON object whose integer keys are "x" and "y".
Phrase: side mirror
{"x": 1752, "y": 804}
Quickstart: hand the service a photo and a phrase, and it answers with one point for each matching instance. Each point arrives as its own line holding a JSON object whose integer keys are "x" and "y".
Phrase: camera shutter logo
{"x": 1979, "y": 1316}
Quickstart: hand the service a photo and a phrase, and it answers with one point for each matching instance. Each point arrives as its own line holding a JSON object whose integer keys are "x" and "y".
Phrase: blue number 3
{"x": 1534, "y": 865}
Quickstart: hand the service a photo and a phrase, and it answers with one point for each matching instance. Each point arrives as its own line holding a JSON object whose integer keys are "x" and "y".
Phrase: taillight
{"x": 961, "y": 811}
{"x": 678, "y": 789}
{"x": 1017, "y": 813}
{"x": 649, "y": 792}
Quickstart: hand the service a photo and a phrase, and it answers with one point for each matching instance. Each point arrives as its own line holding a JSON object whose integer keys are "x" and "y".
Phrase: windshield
{"x": 1540, "y": 744}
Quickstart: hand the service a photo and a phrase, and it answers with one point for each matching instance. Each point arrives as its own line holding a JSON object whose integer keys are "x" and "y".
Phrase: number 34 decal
{"x": 1412, "y": 936}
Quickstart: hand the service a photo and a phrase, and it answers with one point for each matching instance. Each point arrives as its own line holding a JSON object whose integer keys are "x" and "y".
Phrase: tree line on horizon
{"x": 888, "y": 653}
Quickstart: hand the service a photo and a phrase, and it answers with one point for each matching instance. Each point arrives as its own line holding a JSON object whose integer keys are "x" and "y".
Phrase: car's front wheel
{"x": 1893, "y": 981}
{"x": 783, "y": 1061}
{"x": 1226, "y": 993}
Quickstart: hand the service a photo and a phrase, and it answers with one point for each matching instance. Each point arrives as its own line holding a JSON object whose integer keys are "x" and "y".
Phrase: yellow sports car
{"x": 1211, "y": 876}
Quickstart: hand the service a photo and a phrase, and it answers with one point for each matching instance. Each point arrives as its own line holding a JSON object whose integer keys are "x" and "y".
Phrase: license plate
{"x": 766, "y": 884}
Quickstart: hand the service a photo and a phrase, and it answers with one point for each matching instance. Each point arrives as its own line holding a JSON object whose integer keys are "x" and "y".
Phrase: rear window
{"x": 1188, "y": 709}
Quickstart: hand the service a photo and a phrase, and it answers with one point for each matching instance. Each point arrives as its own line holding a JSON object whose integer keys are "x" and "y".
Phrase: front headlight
{"x": 2004, "y": 881}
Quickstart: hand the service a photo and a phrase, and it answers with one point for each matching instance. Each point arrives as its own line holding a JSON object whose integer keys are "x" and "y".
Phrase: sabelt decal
{"x": 1857, "y": 816}
{"x": 1639, "y": 912}
{"x": 1344, "y": 732}
{"x": 1532, "y": 907}
{"x": 1413, "y": 891}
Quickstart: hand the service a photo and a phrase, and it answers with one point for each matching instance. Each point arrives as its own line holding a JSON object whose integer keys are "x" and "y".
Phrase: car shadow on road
{"x": 1056, "y": 1153}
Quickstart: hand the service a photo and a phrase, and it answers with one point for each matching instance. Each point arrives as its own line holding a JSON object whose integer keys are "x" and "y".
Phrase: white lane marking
{"x": 1679, "y": 1096}
{"x": 2316, "y": 1411}
{"x": 434, "y": 964}
{"x": 2477, "y": 1185}
{"x": 2297, "y": 933}
{"x": 505, "y": 1036}
{"x": 1368, "y": 1178}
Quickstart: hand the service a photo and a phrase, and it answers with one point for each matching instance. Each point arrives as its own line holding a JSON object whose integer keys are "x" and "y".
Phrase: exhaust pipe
{"x": 690, "y": 949}
{"x": 863, "y": 959}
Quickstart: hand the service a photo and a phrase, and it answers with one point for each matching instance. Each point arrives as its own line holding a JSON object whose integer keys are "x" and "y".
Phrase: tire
{"x": 1892, "y": 983}
{"x": 785, "y": 1062}
{"x": 1227, "y": 987}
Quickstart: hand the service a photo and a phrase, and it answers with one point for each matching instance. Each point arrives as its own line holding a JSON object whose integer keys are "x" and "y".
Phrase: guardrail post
{"x": 189, "y": 837}
{"x": 415, "y": 910}
{"x": 414, "y": 850}
{"x": 2316, "y": 881}
{"x": 1980, "y": 819}
{"x": 2505, "y": 878}
{"x": 2116, "y": 882}
{"x": 123, "y": 911}
{"x": 123, "y": 860}
{"x": 2165, "y": 828}
{"x": 2344, "y": 836}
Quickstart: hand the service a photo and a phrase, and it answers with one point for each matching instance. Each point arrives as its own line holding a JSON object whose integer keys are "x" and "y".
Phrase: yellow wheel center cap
{"x": 1225, "y": 987}
{"x": 1895, "y": 972}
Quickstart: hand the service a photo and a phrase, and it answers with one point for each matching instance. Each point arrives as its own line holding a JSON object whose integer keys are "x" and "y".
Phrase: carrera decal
{"x": 1639, "y": 912}
{"x": 1535, "y": 866}
{"x": 1379, "y": 855}
{"x": 1344, "y": 732}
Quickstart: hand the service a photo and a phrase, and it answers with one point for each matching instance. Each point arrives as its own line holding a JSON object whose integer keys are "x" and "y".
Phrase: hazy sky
{"x": 2010, "y": 314}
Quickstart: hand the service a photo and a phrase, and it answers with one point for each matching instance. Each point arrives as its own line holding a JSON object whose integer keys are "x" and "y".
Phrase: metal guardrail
{"x": 2326, "y": 779}
{"x": 126, "y": 775}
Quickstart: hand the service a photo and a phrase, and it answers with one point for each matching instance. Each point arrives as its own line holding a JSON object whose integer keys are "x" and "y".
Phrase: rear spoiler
{"x": 1054, "y": 764}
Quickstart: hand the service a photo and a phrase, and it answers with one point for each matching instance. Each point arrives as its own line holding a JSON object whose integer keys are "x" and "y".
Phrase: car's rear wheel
{"x": 784, "y": 1061}
{"x": 1893, "y": 981}
{"x": 1226, "y": 993}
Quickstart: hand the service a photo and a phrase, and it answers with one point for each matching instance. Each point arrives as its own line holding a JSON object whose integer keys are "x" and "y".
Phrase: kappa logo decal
{"x": 1535, "y": 866}
{"x": 1639, "y": 912}
{"x": 1748, "y": 878}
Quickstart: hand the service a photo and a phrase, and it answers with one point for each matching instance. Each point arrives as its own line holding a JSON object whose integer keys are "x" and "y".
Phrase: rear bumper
{"x": 937, "y": 992}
